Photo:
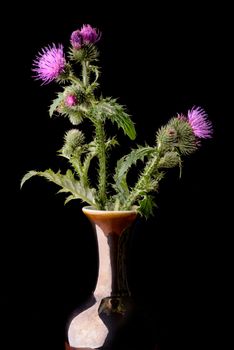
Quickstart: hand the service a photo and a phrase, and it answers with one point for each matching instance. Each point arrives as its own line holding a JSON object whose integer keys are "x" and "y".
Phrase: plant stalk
{"x": 101, "y": 152}
{"x": 85, "y": 73}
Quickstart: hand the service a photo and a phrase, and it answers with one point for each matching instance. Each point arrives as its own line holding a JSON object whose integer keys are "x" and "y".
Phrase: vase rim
{"x": 91, "y": 209}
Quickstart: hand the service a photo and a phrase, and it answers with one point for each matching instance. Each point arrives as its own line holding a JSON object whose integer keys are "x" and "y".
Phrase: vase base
{"x": 68, "y": 347}
{"x": 87, "y": 329}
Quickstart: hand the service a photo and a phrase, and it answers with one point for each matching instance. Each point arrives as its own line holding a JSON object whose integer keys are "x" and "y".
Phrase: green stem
{"x": 74, "y": 79}
{"x": 85, "y": 168}
{"x": 85, "y": 73}
{"x": 101, "y": 152}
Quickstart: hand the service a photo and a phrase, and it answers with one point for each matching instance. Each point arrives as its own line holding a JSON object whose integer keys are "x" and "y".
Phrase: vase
{"x": 111, "y": 305}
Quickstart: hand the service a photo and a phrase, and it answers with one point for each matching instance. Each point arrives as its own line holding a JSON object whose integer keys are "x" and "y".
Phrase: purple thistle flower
{"x": 89, "y": 34}
{"x": 76, "y": 39}
{"x": 49, "y": 63}
{"x": 71, "y": 100}
{"x": 199, "y": 122}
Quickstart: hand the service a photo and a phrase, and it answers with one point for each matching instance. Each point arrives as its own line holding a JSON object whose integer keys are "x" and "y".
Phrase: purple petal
{"x": 89, "y": 34}
{"x": 199, "y": 122}
{"x": 71, "y": 100}
{"x": 49, "y": 63}
{"x": 76, "y": 39}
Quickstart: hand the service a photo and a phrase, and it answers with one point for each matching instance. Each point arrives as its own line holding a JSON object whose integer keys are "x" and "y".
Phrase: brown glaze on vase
{"x": 95, "y": 327}
{"x": 110, "y": 222}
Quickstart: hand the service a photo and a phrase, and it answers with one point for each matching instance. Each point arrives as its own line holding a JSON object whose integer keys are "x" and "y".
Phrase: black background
{"x": 158, "y": 61}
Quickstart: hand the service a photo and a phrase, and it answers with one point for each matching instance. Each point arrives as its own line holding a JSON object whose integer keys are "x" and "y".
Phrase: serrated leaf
{"x": 69, "y": 198}
{"x": 126, "y": 162}
{"x": 146, "y": 206}
{"x": 55, "y": 104}
{"x": 111, "y": 143}
{"x": 124, "y": 165}
{"x": 109, "y": 108}
{"x": 27, "y": 176}
{"x": 67, "y": 182}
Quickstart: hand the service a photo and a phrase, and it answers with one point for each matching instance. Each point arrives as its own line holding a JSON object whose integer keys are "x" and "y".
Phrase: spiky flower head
{"x": 71, "y": 100}
{"x": 76, "y": 39}
{"x": 199, "y": 123}
{"x": 74, "y": 139}
{"x": 85, "y": 36}
{"x": 49, "y": 63}
{"x": 177, "y": 134}
{"x": 89, "y": 34}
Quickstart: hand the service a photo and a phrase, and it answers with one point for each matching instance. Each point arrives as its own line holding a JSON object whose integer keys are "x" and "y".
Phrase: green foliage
{"x": 55, "y": 105}
{"x": 88, "y": 161}
{"x": 147, "y": 206}
{"x": 28, "y": 176}
{"x": 68, "y": 184}
{"x": 74, "y": 113}
{"x": 123, "y": 167}
{"x": 125, "y": 163}
{"x": 108, "y": 108}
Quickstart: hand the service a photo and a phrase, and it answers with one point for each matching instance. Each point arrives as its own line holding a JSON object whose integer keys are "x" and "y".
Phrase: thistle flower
{"x": 76, "y": 39}
{"x": 89, "y": 34}
{"x": 71, "y": 100}
{"x": 74, "y": 139}
{"x": 49, "y": 63}
{"x": 199, "y": 122}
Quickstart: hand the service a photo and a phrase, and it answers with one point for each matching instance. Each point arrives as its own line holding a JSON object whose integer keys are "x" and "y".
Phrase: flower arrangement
{"x": 81, "y": 101}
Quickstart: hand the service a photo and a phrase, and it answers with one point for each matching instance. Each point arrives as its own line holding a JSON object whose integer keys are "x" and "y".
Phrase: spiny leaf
{"x": 69, "y": 198}
{"x": 111, "y": 143}
{"x": 55, "y": 104}
{"x": 146, "y": 206}
{"x": 27, "y": 176}
{"x": 67, "y": 183}
{"x": 96, "y": 71}
{"x": 125, "y": 163}
{"x": 122, "y": 190}
{"x": 109, "y": 108}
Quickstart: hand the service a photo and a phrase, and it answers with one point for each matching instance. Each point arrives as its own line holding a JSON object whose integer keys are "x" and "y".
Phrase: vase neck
{"x": 112, "y": 274}
{"x": 104, "y": 280}
{"x": 112, "y": 229}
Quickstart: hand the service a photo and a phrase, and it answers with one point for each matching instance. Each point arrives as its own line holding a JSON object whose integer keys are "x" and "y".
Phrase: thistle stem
{"x": 74, "y": 79}
{"x": 85, "y": 73}
{"x": 101, "y": 151}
